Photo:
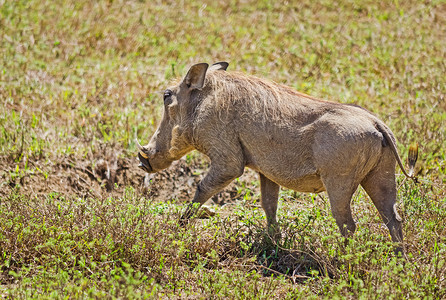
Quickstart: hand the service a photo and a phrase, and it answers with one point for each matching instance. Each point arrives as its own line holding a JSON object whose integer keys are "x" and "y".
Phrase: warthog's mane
{"x": 273, "y": 100}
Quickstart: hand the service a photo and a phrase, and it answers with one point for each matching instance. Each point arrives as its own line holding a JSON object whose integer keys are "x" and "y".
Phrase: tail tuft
{"x": 412, "y": 158}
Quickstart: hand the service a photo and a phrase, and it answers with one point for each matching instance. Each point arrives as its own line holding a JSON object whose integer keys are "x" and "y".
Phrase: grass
{"x": 79, "y": 79}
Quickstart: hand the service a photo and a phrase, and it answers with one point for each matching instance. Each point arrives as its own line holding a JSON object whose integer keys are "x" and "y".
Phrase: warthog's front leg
{"x": 219, "y": 177}
{"x": 270, "y": 194}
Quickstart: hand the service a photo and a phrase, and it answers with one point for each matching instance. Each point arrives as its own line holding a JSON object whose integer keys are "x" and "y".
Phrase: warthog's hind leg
{"x": 381, "y": 187}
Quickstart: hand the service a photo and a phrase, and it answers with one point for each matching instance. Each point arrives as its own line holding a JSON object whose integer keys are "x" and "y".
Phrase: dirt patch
{"x": 108, "y": 174}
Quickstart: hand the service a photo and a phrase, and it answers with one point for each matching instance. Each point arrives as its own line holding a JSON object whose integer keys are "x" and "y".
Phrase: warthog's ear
{"x": 195, "y": 77}
{"x": 222, "y": 65}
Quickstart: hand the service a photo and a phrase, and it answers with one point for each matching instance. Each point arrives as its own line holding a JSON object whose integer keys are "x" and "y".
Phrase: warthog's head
{"x": 172, "y": 139}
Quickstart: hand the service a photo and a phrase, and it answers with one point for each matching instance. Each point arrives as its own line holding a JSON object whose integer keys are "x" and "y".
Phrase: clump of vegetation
{"x": 79, "y": 79}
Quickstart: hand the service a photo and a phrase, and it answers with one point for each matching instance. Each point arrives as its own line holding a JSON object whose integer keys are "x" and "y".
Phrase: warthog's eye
{"x": 167, "y": 95}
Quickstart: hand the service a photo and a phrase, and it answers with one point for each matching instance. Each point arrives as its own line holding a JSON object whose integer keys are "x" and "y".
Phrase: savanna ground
{"x": 80, "y": 79}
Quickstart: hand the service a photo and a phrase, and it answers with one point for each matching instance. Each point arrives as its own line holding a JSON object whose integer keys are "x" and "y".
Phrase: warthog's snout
{"x": 144, "y": 163}
{"x": 143, "y": 158}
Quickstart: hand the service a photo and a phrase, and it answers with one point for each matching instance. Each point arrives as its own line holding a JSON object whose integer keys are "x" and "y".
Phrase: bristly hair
{"x": 271, "y": 99}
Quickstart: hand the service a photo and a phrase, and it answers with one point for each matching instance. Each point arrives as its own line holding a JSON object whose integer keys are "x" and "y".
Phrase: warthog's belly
{"x": 306, "y": 184}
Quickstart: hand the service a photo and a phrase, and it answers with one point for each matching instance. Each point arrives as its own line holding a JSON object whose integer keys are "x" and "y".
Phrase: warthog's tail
{"x": 413, "y": 151}
{"x": 412, "y": 158}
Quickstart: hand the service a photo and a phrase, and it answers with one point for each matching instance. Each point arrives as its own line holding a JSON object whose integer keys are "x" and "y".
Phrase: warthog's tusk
{"x": 144, "y": 155}
{"x": 141, "y": 149}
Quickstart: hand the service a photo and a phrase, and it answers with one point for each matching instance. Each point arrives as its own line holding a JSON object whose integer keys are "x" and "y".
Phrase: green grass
{"x": 78, "y": 80}
{"x": 129, "y": 246}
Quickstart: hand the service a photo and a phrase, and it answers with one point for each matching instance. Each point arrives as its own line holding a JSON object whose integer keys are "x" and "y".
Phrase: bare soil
{"x": 108, "y": 174}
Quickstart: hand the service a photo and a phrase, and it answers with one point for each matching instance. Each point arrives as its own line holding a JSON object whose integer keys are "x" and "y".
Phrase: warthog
{"x": 291, "y": 139}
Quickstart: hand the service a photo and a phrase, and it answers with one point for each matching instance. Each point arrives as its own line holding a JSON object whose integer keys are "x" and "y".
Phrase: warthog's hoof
{"x": 399, "y": 252}
{"x": 183, "y": 221}
{"x": 205, "y": 212}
